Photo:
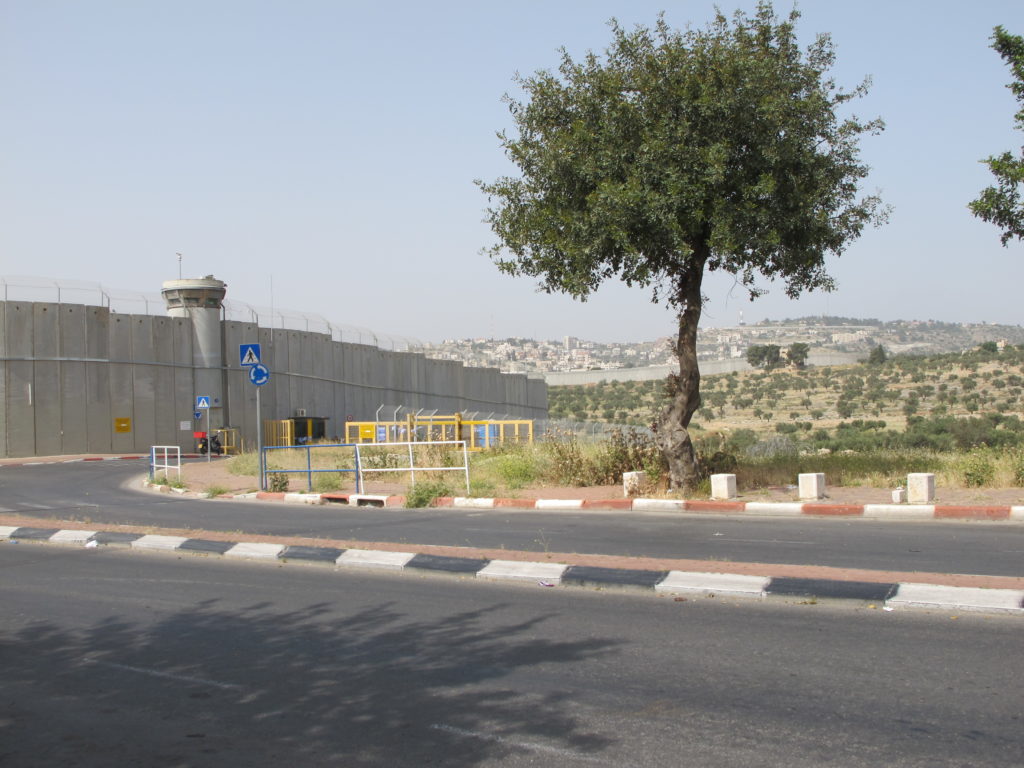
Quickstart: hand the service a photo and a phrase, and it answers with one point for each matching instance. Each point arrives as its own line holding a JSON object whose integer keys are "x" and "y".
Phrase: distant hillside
{"x": 814, "y": 404}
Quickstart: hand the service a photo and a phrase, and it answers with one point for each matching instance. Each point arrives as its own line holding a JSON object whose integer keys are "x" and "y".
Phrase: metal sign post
{"x": 249, "y": 357}
{"x": 259, "y": 439}
{"x": 203, "y": 404}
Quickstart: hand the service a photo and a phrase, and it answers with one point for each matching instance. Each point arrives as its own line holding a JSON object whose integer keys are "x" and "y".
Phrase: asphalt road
{"x": 112, "y": 657}
{"x": 106, "y": 492}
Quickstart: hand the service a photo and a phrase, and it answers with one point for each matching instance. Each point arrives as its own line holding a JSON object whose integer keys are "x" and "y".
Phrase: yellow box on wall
{"x": 123, "y": 424}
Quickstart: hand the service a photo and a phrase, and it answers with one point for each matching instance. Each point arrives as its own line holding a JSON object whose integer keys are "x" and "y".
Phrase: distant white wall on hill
{"x": 707, "y": 368}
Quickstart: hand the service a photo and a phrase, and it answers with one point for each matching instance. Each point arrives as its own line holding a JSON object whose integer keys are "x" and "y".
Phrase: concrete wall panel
{"x": 74, "y": 437}
{"x": 45, "y": 331}
{"x": 21, "y": 430}
{"x": 18, "y": 330}
{"x": 99, "y": 421}
{"x": 72, "y": 330}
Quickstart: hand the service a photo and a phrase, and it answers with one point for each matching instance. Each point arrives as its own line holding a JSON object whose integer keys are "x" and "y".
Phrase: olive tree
{"x": 1003, "y": 204}
{"x": 679, "y": 153}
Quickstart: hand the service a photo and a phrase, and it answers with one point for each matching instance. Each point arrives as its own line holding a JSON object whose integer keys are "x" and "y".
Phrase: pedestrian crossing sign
{"x": 248, "y": 354}
{"x": 202, "y": 401}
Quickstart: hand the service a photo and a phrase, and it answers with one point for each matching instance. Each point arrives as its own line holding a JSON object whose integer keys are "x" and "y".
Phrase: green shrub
{"x": 1017, "y": 468}
{"x": 977, "y": 469}
{"x": 515, "y": 469}
{"x": 425, "y": 493}
{"x": 277, "y": 482}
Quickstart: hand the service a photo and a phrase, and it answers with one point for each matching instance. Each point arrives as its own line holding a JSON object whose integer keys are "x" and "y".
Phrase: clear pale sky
{"x": 321, "y": 155}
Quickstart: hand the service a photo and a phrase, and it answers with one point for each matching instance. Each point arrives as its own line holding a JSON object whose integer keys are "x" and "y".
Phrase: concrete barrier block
{"x": 899, "y": 496}
{"x": 723, "y": 487}
{"x": 633, "y": 483}
{"x": 812, "y": 486}
{"x": 921, "y": 488}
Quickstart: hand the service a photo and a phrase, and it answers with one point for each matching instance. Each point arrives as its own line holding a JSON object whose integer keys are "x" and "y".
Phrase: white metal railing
{"x": 412, "y": 469}
{"x": 164, "y": 458}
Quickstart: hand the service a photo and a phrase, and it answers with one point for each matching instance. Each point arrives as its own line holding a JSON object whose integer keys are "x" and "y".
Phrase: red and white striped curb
{"x": 763, "y": 508}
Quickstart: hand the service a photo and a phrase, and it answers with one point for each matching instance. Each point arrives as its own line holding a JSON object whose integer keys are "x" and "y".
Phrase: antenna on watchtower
{"x": 179, "y": 265}
{"x": 741, "y": 317}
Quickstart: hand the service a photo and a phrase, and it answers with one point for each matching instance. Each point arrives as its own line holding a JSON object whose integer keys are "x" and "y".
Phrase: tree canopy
{"x": 1003, "y": 204}
{"x": 679, "y": 153}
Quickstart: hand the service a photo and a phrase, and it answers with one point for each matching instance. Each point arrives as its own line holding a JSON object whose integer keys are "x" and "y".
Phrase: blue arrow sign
{"x": 259, "y": 374}
{"x": 202, "y": 401}
{"x": 248, "y": 354}
{"x": 199, "y": 415}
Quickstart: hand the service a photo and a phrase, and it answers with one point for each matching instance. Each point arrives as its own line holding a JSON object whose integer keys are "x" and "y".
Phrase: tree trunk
{"x": 671, "y": 432}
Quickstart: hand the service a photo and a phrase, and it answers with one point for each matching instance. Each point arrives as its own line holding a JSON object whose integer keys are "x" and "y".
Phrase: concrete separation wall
{"x": 77, "y": 378}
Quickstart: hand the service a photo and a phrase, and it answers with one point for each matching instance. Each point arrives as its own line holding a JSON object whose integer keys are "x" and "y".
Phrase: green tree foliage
{"x": 676, "y": 154}
{"x": 767, "y": 356}
{"x": 877, "y": 356}
{"x": 796, "y": 354}
{"x": 1003, "y": 204}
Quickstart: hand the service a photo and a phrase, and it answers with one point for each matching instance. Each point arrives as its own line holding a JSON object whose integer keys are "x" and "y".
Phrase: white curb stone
{"x": 471, "y": 503}
{"x": 374, "y": 558}
{"x": 302, "y": 498}
{"x": 657, "y": 505}
{"x": 153, "y": 541}
{"x": 957, "y": 598}
{"x": 774, "y": 508}
{"x": 558, "y": 504}
{"x": 900, "y": 511}
{"x": 255, "y": 550}
{"x": 718, "y": 583}
{"x": 367, "y": 500}
{"x": 1017, "y": 513}
{"x": 68, "y": 536}
{"x": 514, "y": 570}
{"x": 7, "y": 530}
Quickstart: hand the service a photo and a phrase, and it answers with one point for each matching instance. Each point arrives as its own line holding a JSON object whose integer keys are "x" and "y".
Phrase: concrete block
{"x": 633, "y": 483}
{"x": 899, "y": 496}
{"x": 921, "y": 488}
{"x": 723, "y": 487}
{"x": 812, "y": 486}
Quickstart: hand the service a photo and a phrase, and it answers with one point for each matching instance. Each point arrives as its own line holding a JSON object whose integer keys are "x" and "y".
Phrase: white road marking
{"x": 529, "y": 745}
{"x": 167, "y": 675}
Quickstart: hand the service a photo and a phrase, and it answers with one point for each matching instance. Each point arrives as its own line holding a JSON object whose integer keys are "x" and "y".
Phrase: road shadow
{"x": 310, "y": 686}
